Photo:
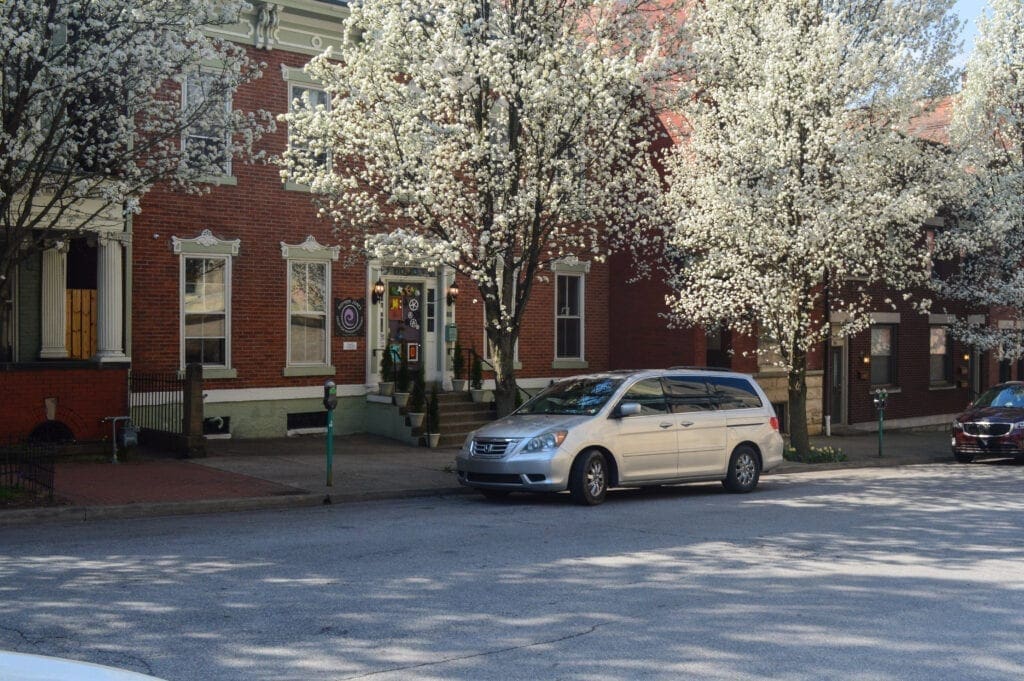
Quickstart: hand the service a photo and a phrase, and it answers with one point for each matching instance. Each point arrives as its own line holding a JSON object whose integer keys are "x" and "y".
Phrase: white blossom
{"x": 988, "y": 133}
{"x": 500, "y": 136}
{"x": 91, "y": 104}
{"x": 796, "y": 178}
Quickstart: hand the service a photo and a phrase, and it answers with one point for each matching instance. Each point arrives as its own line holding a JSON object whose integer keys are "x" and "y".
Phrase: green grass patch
{"x": 815, "y": 455}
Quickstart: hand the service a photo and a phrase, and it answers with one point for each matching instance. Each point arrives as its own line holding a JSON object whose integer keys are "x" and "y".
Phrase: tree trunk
{"x": 504, "y": 373}
{"x": 799, "y": 438}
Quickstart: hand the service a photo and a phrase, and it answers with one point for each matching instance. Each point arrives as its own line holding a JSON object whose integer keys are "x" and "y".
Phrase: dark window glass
{"x": 568, "y": 317}
{"x": 940, "y": 355}
{"x": 687, "y": 394}
{"x": 733, "y": 393}
{"x": 573, "y": 396}
{"x": 883, "y": 354}
{"x": 649, "y": 395}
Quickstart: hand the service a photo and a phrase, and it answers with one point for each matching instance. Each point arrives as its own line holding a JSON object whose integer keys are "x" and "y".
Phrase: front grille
{"x": 994, "y": 448}
{"x": 501, "y": 478}
{"x": 983, "y": 429}
{"x": 491, "y": 447}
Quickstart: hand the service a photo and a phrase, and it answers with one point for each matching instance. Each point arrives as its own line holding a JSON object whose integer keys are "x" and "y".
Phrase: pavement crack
{"x": 458, "y": 658}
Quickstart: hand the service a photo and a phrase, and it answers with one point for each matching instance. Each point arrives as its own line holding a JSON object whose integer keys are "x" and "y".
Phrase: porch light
{"x": 378, "y": 292}
{"x": 453, "y": 293}
{"x": 967, "y": 357}
{"x": 866, "y": 359}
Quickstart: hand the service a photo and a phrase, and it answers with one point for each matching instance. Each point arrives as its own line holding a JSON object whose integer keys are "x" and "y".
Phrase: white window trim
{"x": 206, "y": 245}
{"x": 581, "y": 358}
{"x": 226, "y": 177}
{"x": 309, "y": 251}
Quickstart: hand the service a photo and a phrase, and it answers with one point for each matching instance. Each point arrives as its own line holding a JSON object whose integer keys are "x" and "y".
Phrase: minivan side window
{"x": 649, "y": 395}
{"x": 687, "y": 394}
{"x": 733, "y": 393}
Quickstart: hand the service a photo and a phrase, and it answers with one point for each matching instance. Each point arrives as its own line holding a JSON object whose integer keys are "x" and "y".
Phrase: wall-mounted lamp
{"x": 967, "y": 357}
{"x": 453, "y": 293}
{"x": 378, "y": 292}
{"x": 866, "y": 359}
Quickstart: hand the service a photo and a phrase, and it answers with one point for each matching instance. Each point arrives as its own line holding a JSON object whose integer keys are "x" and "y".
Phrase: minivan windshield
{"x": 1002, "y": 396}
{"x": 576, "y": 396}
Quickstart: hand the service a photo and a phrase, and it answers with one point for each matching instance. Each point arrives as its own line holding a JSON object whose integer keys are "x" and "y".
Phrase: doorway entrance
{"x": 406, "y": 321}
{"x": 406, "y": 305}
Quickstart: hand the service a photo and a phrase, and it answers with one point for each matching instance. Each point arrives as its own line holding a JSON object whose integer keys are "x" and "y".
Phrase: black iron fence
{"x": 167, "y": 408}
{"x": 28, "y": 466}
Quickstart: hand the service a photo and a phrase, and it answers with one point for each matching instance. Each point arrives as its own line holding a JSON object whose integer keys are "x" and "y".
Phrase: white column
{"x": 110, "y": 303}
{"x": 54, "y": 303}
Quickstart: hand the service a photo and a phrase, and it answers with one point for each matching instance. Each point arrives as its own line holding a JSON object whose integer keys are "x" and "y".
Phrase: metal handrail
{"x": 473, "y": 353}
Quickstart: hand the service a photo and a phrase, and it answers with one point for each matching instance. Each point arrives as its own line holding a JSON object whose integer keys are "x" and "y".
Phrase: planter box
{"x": 416, "y": 418}
{"x": 401, "y": 399}
{"x": 433, "y": 439}
{"x": 481, "y": 395}
{"x": 459, "y": 385}
{"x": 386, "y": 387}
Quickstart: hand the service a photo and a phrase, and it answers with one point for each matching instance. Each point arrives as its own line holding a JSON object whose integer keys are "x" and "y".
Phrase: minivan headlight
{"x": 552, "y": 440}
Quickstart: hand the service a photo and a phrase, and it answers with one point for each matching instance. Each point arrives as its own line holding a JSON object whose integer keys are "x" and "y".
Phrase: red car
{"x": 992, "y": 426}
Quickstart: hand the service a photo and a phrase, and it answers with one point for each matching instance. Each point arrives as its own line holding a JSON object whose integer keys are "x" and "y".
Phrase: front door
{"x": 405, "y": 322}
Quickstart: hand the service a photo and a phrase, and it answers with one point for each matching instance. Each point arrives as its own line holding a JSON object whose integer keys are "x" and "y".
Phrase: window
{"x": 206, "y": 300}
{"x": 649, "y": 395}
{"x": 569, "y": 316}
{"x": 940, "y": 355}
{"x": 302, "y": 98}
{"x": 307, "y": 312}
{"x": 733, "y": 393}
{"x": 687, "y": 394}
{"x": 309, "y": 297}
{"x": 883, "y": 354}
{"x": 206, "y": 145}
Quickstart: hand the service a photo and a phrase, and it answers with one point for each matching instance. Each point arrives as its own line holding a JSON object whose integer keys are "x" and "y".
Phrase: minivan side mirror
{"x": 628, "y": 409}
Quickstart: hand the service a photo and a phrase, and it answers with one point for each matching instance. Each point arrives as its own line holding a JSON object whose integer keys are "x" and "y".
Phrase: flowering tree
{"x": 796, "y": 181}
{"x": 988, "y": 131}
{"x": 490, "y": 136}
{"x": 93, "y": 114}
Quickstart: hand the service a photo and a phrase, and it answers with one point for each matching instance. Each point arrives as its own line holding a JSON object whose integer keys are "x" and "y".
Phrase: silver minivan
{"x": 627, "y": 429}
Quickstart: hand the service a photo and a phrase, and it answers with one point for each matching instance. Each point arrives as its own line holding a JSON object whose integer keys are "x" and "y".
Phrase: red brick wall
{"x": 84, "y": 397}
{"x": 260, "y": 212}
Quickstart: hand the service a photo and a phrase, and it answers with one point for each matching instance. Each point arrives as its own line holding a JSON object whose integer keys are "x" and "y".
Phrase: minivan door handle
{"x": 686, "y": 424}
{"x": 665, "y": 425}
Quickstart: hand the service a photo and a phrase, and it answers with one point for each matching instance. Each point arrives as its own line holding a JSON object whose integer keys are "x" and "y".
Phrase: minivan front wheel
{"x": 744, "y": 470}
{"x": 588, "y": 479}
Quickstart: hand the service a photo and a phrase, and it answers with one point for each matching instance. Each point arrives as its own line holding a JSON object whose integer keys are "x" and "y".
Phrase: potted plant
{"x": 415, "y": 406}
{"x": 458, "y": 367}
{"x": 387, "y": 371}
{"x": 402, "y": 382}
{"x": 476, "y": 379}
{"x": 433, "y": 419}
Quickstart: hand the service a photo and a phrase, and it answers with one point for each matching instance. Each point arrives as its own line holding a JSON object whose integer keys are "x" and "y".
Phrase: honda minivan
{"x": 627, "y": 429}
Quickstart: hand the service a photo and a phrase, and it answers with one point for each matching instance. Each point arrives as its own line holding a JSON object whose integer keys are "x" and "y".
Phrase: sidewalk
{"x": 291, "y": 472}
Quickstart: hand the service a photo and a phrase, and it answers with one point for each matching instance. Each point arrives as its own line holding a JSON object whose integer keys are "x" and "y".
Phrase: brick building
{"x": 249, "y": 282}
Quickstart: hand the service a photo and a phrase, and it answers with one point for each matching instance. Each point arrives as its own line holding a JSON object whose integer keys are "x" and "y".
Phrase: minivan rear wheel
{"x": 588, "y": 479}
{"x": 744, "y": 470}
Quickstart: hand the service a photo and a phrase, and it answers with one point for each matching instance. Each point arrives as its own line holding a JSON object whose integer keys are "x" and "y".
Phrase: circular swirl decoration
{"x": 348, "y": 317}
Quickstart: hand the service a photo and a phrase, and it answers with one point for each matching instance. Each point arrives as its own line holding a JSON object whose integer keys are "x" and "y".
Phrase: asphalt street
{"x": 897, "y": 573}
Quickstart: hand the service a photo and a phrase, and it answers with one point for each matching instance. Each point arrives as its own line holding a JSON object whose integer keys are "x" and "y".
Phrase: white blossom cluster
{"x": 987, "y": 241}
{"x": 92, "y": 108}
{"x": 491, "y": 136}
{"x": 796, "y": 179}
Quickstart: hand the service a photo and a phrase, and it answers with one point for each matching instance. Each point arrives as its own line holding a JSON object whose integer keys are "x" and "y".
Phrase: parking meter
{"x": 330, "y": 395}
{"x": 880, "y": 399}
{"x": 330, "y": 403}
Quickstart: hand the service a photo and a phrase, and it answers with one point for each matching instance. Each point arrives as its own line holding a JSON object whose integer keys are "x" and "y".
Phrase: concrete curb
{"x": 884, "y": 462}
{"x": 74, "y": 514}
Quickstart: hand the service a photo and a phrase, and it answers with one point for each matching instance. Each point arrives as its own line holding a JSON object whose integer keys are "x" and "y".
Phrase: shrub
{"x": 476, "y": 373}
{"x": 458, "y": 362}
{"x": 418, "y": 395}
{"x": 387, "y": 364}
{"x": 815, "y": 455}
{"x": 433, "y": 412}
{"x": 402, "y": 381}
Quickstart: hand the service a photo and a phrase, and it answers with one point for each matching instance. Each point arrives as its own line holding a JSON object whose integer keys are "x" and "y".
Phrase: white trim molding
{"x": 885, "y": 317}
{"x": 206, "y": 244}
{"x": 310, "y": 249}
{"x": 944, "y": 319}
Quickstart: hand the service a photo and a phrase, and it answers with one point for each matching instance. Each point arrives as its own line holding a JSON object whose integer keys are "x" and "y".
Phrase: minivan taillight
{"x": 774, "y": 422}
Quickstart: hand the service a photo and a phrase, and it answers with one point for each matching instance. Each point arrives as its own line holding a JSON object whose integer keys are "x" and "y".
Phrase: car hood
{"x": 524, "y": 426}
{"x": 993, "y": 414}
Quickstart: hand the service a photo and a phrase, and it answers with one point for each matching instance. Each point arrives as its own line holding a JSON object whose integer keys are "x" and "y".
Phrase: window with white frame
{"x": 307, "y": 98}
{"x": 205, "y": 302}
{"x": 569, "y": 316}
{"x": 206, "y": 144}
{"x": 940, "y": 356}
{"x": 307, "y": 312}
{"x": 309, "y": 297}
{"x": 205, "y": 296}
